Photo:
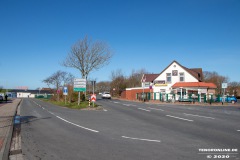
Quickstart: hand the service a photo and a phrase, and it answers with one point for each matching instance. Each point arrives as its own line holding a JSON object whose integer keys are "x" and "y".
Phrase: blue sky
{"x": 35, "y": 36}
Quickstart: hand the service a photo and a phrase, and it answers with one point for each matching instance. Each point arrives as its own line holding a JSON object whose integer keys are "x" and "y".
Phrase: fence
{"x": 163, "y": 97}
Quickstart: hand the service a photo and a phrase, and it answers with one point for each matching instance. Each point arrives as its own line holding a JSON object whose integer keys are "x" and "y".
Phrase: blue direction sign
{"x": 65, "y": 91}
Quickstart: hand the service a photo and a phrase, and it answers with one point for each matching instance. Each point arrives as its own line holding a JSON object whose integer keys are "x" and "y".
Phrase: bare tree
{"x": 215, "y": 78}
{"x": 87, "y": 56}
{"x": 103, "y": 86}
{"x": 118, "y": 83}
{"x": 134, "y": 80}
{"x": 233, "y": 88}
{"x": 57, "y": 79}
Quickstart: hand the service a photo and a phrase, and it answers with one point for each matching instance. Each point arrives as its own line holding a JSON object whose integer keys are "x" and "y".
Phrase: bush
{"x": 83, "y": 98}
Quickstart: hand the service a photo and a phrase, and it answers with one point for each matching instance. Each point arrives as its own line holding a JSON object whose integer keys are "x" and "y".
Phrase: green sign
{"x": 79, "y": 89}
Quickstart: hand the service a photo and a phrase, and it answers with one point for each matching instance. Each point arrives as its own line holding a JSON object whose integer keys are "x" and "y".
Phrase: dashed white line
{"x": 149, "y": 140}
{"x": 156, "y": 109}
{"x": 77, "y": 125}
{"x": 144, "y": 109}
{"x": 180, "y": 118}
{"x": 115, "y": 102}
{"x": 198, "y": 116}
{"x": 51, "y": 113}
{"x": 238, "y": 130}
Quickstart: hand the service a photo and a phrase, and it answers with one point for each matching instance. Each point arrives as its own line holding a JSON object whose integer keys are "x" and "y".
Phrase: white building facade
{"x": 172, "y": 74}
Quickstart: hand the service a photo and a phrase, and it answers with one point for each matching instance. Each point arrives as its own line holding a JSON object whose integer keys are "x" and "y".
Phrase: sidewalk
{"x": 7, "y": 113}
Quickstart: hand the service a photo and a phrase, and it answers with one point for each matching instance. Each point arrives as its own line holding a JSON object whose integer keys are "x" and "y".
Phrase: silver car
{"x": 106, "y": 95}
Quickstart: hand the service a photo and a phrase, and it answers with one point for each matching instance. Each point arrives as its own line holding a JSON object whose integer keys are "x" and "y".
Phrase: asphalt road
{"x": 129, "y": 131}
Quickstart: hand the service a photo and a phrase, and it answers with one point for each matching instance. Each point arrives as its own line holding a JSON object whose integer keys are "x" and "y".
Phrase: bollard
{"x": 89, "y": 102}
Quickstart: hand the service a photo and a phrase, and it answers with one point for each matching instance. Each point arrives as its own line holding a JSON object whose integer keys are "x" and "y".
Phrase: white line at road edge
{"x": 149, "y": 140}
{"x": 144, "y": 109}
{"x": 180, "y": 118}
{"x": 198, "y": 116}
{"x": 77, "y": 125}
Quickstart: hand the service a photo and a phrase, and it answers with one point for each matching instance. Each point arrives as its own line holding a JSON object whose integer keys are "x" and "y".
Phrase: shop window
{"x": 182, "y": 77}
{"x": 169, "y": 78}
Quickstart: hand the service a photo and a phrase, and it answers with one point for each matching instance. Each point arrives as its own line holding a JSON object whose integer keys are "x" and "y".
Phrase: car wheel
{"x": 233, "y": 102}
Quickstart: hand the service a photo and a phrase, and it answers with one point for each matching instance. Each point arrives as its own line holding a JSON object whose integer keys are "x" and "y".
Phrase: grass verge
{"x": 74, "y": 105}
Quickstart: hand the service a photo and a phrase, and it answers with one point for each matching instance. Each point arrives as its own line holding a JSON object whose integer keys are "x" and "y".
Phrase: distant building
{"x": 22, "y": 93}
{"x": 175, "y": 79}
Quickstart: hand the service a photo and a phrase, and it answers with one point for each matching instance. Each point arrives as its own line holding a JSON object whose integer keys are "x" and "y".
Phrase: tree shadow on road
{"x": 5, "y": 120}
{"x": 27, "y": 119}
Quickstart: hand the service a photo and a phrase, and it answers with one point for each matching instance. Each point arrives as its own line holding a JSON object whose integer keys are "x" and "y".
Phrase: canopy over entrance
{"x": 196, "y": 85}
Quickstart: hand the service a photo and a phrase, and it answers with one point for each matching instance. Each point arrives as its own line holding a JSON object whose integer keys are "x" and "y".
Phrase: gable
{"x": 194, "y": 74}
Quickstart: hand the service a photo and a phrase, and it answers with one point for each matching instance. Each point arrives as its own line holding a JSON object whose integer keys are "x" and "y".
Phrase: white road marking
{"x": 126, "y": 105}
{"x": 144, "y": 109}
{"x": 77, "y": 125}
{"x": 104, "y": 110}
{"x": 156, "y": 109}
{"x": 180, "y": 118}
{"x": 238, "y": 130}
{"x": 149, "y": 140}
{"x": 115, "y": 102}
{"x": 51, "y": 113}
{"x": 198, "y": 116}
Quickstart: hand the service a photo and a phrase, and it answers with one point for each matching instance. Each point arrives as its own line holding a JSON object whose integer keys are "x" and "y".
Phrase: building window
{"x": 169, "y": 78}
{"x": 182, "y": 77}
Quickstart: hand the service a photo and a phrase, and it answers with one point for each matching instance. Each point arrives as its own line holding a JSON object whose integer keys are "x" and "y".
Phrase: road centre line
{"x": 180, "y": 118}
{"x": 77, "y": 125}
{"x": 198, "y": 116}
{"x": 156, "y": 109}
{"x": 238, "y": 130}
{"x": 144, "y": 109}
{"x": 149, "y": 140}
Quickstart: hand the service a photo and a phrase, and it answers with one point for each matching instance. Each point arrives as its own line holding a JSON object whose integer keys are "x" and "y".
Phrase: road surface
{"x": 129, "y": 131}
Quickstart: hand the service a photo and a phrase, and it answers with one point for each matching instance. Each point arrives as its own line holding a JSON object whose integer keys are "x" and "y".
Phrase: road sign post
{"x": 79, "y": 86}
{"x": 93, "y": 98}
{"x": 65, "y": 93}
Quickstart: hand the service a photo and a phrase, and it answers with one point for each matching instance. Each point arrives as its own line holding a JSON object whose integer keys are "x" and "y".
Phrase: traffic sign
{"x": 93, "y": 97}
{"x": 224, "y": 85}
{"x": 65, "y": 91}
{"x": 79, "y": 85}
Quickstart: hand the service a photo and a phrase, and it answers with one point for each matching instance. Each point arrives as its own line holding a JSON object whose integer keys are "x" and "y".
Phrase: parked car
{"x": 1, "y": 98}
{"x": 229, "y": 99}
{"x": 106, "y": 95}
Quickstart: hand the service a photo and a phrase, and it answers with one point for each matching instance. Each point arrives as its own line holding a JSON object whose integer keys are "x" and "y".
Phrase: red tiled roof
{"x": 194, "y": 84}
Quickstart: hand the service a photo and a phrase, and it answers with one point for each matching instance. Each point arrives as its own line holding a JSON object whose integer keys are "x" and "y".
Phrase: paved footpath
{"x": 7, "y": 113}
